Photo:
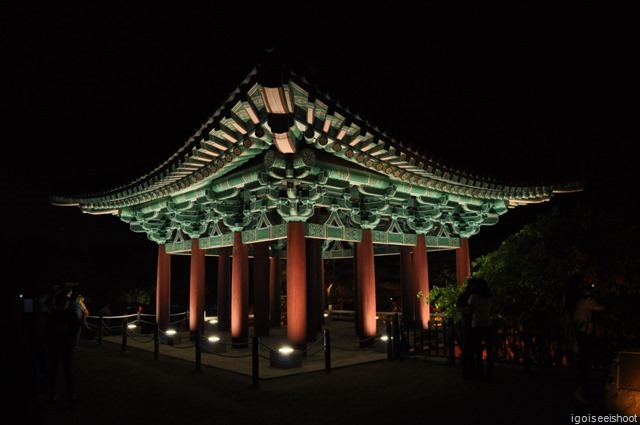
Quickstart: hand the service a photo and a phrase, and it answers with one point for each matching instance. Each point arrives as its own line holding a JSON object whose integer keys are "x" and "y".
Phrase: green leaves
{"x": 528, "y": 272}
{"x": 443, "y": 299}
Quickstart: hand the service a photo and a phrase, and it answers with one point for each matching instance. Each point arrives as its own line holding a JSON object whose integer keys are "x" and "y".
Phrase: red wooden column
{"x": 366, "y": 288}
{"x": 421, "y": 279}
{"x": 274, "y": 289}
{"x": 296, "y": 285}
{"x": 239, "y": 293}
{"x": 196, "y": 287}
{"x": 409, "y": 293}
{"x": 163, "y": 289}
{"x": 463, "y": 262}
{"x": 261, "y": 288}
{"x": 224, "y": 291}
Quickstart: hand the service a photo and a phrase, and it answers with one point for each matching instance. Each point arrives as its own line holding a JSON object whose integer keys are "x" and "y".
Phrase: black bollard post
{"x": 429, "y": 335}
{"x": 405, "y": 336}
{"x": 327, "y": 351}
{"x": 256, "y": 362}
{"x": 389, "y": 342}
{"x": 451, "y": 340}
{"x": 198, "y": 339}
{"x": 396, "y": 336}
{"x": 100, "y": 330}
{"x": 156, "y": 342}
{"x": 125, "y": 323}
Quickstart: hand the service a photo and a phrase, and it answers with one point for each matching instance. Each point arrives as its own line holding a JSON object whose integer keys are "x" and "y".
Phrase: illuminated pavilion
{"x": 280, "y": 171}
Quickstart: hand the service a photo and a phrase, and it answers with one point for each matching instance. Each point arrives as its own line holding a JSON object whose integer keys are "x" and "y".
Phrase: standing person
{"x": 481, "y": 304}
{"x": 462, "y": 305}
{"x": 80, "y": 310}
{"x": 585, "y": 336}
{"x": 44, "y": 308}
{"x": 61, "y": 334}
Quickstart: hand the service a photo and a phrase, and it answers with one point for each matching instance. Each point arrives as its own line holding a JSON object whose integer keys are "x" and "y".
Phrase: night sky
{"x": 526, "y": 94}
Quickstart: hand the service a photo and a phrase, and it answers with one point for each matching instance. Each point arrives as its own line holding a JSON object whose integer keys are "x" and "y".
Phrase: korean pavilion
{"x": 282, "y": 173}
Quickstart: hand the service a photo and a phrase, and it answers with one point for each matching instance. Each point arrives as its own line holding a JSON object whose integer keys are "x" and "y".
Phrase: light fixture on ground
{"x": 285, "y": 357}
{"x": 133, "y": 328}
{"x": 214, "y": 344}
{"x": 382, "y": 344}
{"x": 173, "y": 337}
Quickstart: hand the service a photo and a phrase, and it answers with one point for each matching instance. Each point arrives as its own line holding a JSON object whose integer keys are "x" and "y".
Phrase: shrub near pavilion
{"x": 529, "y": 271}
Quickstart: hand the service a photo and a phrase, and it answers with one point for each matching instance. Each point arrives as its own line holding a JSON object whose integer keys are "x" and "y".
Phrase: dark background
{"x": 103, "y": 93}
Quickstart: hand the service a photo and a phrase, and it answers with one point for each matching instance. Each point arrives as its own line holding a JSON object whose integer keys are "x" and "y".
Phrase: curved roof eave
{"x": 239, "y": 130}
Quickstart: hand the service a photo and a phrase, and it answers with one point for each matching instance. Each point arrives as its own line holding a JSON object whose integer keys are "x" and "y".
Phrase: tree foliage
{"x": 529, "y": 271}
{"x": 443, "y": 300}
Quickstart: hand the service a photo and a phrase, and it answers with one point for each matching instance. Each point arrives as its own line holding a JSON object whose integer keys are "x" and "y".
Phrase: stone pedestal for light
{"x": 285, "y": 360}
{"x": 211, "y": 325}
{"x": 134, "y": 330}
{"x": 367, "y": 342}
{"x": 214, "y": 346}
{"x": 179, "y": 338}
{"x": 381, "y": 345}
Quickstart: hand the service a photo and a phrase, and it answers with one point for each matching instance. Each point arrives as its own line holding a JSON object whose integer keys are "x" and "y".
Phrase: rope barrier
{"x": 113, "y": 317}
{"x": 143, "y": 341}
{"x": 266, "y": 346}
{"x": 233, "y": 356}
{"x": 315, "y": 352}
{"x": 131, "y": 326}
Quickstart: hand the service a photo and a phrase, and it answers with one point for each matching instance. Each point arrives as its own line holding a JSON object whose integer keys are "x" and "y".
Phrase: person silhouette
{"x": 482, "y": 331}
{"x": 583, "y": 306}
{"x": 80, "y": 310}
{"x": 61, "y": 335}
{"x": 466, "y": 340}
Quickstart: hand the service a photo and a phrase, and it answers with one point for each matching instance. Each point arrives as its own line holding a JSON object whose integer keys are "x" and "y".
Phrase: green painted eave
{"x": 227, "y": 155}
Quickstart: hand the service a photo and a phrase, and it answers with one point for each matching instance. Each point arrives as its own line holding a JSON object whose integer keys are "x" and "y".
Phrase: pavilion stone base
{"x": 381, "y": 346}
{"x": 214, "y": 346}
{"x": 182, "y": 337}
{"x": 367, "y": 342}
{"x": 623, "y": 386}
{"x": 285, "y": 360}
{"x": 211, "y": 324}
